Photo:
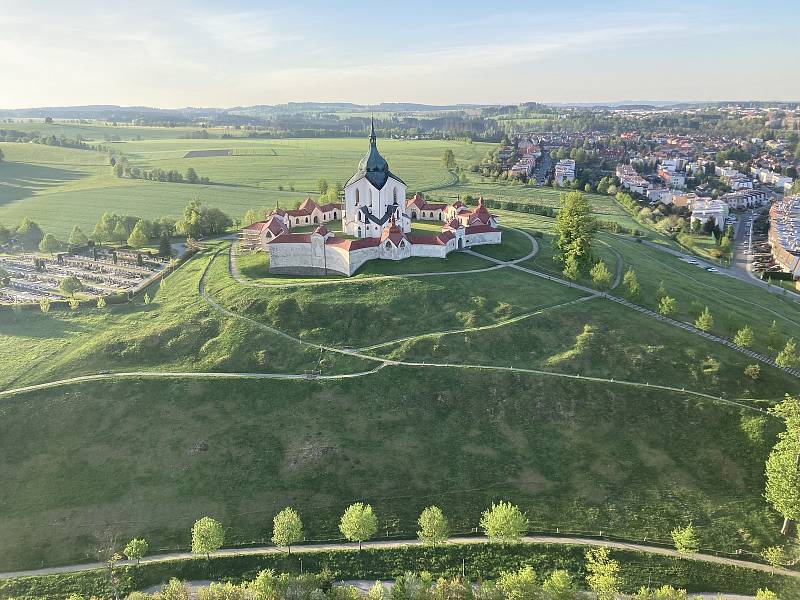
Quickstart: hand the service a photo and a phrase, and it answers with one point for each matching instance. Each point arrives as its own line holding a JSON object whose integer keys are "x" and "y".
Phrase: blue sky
{"x": 238, "y": 52}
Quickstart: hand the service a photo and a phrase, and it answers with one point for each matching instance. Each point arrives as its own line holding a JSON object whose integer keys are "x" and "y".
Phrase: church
{"x": 376, "y": 222}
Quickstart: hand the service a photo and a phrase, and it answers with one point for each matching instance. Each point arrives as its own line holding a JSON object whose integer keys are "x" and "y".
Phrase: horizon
{"x": 245, "y": 53}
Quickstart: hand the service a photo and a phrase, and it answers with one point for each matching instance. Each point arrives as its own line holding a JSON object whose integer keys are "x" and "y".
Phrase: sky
{"x": 176, "y": 53}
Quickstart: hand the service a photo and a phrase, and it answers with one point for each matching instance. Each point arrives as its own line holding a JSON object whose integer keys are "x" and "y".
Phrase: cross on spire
{"x": 372, "y": 138}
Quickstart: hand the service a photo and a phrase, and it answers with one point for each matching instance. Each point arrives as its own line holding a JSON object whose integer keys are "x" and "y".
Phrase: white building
{"x": 378, "y": 218}
{"x": 373, "y": 195}
{"x": 704, "y": 210}
{"x": 565, "y": 171}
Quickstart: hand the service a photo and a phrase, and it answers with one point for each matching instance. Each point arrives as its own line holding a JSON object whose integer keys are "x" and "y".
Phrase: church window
{"x": 358, "y": 197}
{"x": 359, "y": 232}
{"x": 394, "y": 195}
{"x": 388, "y": 245}
{"x": 402, "y": 245}
{"x": 334, "y": 214}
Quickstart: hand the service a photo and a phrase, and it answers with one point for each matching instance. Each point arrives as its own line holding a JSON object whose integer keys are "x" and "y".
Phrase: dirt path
{"x": 533, "y": 539}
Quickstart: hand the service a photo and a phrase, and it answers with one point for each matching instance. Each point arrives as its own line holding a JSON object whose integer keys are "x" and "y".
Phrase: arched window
{"x": 402, "y": 245}
{"x": 358, "y": 197}
{"x": 394, "y": 195}
{"x": 388, "y": 245}
{"x": 297, "y": 221}
{"x": 334, "y": 214}
{"x": 306, "y": 219}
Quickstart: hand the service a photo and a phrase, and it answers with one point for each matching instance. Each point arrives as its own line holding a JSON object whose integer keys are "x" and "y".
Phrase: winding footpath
{"x": 307, "y": 548}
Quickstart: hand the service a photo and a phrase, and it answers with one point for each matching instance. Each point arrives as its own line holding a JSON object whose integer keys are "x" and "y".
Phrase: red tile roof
{"x": 353, "y": 244}
{"x": 432, "y": 240}
{"x": 480, "y": 229}
{"x": 393, "y": 233}
{"x": 291, "y": 238}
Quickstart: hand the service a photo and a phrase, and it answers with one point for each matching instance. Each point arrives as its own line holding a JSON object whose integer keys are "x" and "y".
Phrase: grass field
{"x": 147, "y": 456}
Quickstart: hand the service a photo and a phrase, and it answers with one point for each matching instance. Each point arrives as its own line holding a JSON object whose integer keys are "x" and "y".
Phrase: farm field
{"x": 62, "y": 187}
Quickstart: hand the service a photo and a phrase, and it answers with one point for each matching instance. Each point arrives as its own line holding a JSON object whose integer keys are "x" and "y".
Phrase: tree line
{"x": 197, "y": 221}
{"x": 34, "y": 137}
{"x": 122, "y": 168}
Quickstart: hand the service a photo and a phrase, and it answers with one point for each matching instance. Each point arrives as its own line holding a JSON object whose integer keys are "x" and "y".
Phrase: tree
{"x": 175, "y": 590}
{"x": 744, "y": 337}
{"x": 287, "y": 528}
{"x": 189, "y": 224}
{"x": 207, "y": 536}
{"x": 358, "y": 523}
{"x": 164, "y": 247}
{"x": 667, "y": 306}
{"x": 251, "y": 216}
{"x": 29, "y": 234}
{"x": 775, "y": 556}
{"x": 601, "y": 276}
{"x": 49, "y": 244}
{"x": 104, "y": 229}
{"x": 101, "y": 302}
{"x": 5, "y": 278}
{"x": 449, "y": 160}
{"x": 5, "y": 234}
{"x": 753, "y": 371}
{"x": 136, "y": 549}
{"x": 787, "y": 358}
{"x": 433, "y": 526}
{"x": 685, "y": 539}
{"x": 138, "y": 237}
{"x": 783, "y": 465}
{"x": 575, "y": 228}
{"x": 120, "y": 233}
{"x": 191, "y": 176}
{"x": 70, "y": 285}
{"x": 602, "y": 574}
{"x": 77, "y": 237}
{"x": 44, "y": 306}
{"x": 518, "y": 585}
{"x": 571, "y": 270}
{"x": 631, "y": 283}
{"x": 773, "y": 340}
{"x": 705, "y": 321}
{"x": 560, "y": 586}
{"x": 504, "y": 522}
{"x": 322, "y": 186}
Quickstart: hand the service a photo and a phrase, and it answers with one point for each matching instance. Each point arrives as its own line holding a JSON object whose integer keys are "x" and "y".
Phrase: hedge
{"x": 482, "y": 561}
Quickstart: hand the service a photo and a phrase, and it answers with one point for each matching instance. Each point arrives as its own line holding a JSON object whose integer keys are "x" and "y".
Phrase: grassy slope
{"x": 177, "y": 331}
{"x": 148, "y": 458}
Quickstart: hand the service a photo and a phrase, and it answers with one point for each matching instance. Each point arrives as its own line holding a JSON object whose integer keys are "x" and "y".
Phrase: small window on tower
{"x": 388, "y": 245}
{"x": 358, "y": 198}
{"x": 394, "y": 195}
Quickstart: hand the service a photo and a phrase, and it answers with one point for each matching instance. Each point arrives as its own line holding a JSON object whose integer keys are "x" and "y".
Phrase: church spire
{"x": 372, "y": 138}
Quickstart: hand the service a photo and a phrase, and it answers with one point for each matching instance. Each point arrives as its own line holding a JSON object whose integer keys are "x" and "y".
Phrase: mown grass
{"x": 147, "y": 458}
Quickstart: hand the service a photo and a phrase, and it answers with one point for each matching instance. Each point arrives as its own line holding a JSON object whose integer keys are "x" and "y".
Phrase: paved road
{"x": 734, "y": 271}
{"x": 533, "y": 539}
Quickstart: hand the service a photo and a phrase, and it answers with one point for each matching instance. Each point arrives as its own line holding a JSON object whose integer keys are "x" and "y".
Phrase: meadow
{"x": 148, "y": 455}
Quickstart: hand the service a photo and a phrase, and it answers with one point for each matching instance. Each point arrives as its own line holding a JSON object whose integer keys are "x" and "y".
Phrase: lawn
{"x": 147, "y": 458}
